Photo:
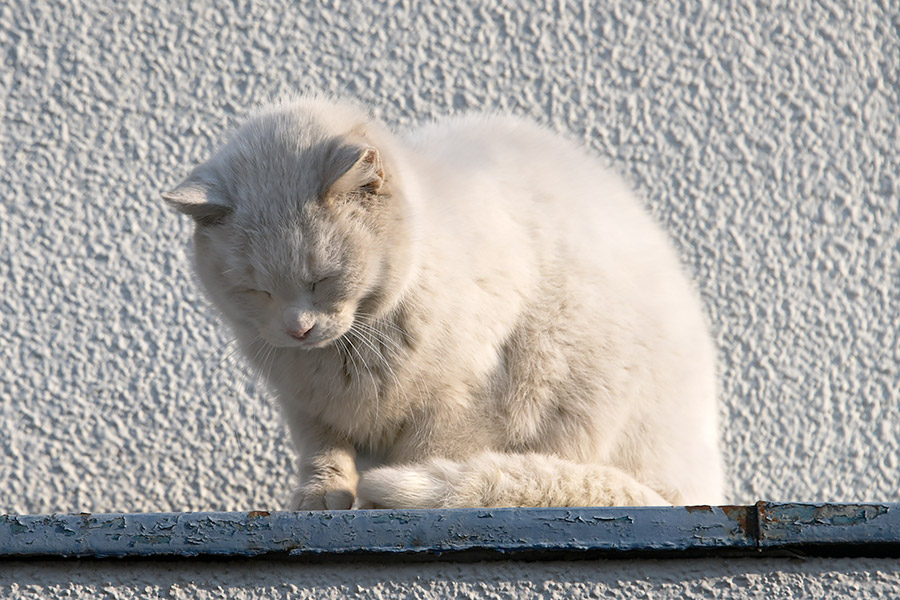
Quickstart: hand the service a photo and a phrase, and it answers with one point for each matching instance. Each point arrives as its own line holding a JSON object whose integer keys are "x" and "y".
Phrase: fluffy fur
{"x": 471, "y": 314}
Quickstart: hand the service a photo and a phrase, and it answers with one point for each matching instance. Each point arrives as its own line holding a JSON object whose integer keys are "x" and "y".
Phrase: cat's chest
{"x": 353, "y": 391}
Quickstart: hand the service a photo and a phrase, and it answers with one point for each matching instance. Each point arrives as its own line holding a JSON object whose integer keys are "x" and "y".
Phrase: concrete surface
{"x": 762, "y": 134}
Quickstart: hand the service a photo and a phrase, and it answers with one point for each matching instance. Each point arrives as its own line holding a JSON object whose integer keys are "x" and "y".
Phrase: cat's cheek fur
{"x": 209, "y": 258}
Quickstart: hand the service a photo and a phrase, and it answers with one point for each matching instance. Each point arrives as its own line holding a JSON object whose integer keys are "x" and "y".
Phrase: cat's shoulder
{"x": 487, "y": 125}
{"x": 489, "y": 134}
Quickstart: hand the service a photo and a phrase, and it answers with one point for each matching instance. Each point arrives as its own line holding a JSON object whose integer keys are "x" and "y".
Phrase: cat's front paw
{"x": 319, "y": 497}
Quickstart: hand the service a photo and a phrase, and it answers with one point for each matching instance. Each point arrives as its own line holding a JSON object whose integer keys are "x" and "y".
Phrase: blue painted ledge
{"x": 763, "y": 529}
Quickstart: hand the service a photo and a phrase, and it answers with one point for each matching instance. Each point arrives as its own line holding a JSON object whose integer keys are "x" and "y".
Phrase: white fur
{"x": 518, "y": 332}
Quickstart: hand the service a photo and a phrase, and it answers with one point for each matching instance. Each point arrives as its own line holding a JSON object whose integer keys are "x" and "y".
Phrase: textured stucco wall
{"x": 762, "y": 134}
{"x": 701, "y": 579}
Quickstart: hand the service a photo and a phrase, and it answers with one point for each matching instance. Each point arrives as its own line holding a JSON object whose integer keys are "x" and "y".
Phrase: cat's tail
{"x": 493, "y": 479}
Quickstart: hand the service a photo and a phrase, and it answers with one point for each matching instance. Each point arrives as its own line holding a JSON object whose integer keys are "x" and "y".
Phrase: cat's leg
{"x": 493, "y": 479}
{"x": 328, "y": 475}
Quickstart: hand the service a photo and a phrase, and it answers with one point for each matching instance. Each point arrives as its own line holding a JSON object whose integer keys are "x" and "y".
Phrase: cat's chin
{"x": 317, "y": 345}
{"x": 303, "y": 344}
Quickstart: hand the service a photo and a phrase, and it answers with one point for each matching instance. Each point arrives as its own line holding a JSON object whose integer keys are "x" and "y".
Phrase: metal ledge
{"x": 533, "y": 533}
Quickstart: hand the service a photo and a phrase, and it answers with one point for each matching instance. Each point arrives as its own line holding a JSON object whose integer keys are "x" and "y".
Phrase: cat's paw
{"x": 319, "y": 497}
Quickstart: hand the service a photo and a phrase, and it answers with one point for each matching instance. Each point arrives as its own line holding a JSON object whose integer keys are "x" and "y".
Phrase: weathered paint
{"x": 498, "y": 532}
{"x": 793, "y": 524}
{"x": 483, "y": 533}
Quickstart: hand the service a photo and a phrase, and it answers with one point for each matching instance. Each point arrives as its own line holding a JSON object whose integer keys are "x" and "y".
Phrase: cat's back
{"x": 523, "y": 164}
{"x": 519, "y": 205}
{"x": 497, "y": 145}
{"x": 488, "y": 169}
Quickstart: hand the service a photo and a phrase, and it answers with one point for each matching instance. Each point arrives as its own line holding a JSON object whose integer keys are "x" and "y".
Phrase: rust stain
{"x": 744, "y": 516}
{"x": 698, "y": 508}
{"x": 253, "y": 514}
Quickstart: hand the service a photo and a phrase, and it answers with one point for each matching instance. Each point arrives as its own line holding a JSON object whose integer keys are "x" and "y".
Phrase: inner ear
{"x": 355, "y": 168}
{"x": 200, "y": 200}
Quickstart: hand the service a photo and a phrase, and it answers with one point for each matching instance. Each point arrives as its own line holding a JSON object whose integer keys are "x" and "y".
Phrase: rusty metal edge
{"x": 829, "y": 528}
{"x": 531, "y": 533}
{"x": 763, "y": 529}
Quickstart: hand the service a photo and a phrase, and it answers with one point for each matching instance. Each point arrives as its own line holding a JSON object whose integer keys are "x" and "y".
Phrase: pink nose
{"x": 300, "y": 333}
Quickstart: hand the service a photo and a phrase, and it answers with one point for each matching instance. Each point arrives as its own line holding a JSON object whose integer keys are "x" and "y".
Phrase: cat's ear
{"x": 198, "y": 199}
{"x": 356, "y": 168}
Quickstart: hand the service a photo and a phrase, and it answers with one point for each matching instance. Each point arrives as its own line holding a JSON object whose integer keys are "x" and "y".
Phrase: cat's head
{"x": 301, "y": 223}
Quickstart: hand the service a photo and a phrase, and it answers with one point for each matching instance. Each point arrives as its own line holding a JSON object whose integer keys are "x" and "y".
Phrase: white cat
{"x": 472, "y": 314}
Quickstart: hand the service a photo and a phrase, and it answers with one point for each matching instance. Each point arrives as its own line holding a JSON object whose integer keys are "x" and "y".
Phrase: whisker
{"x": 344, "y": 353}
{"x": 215, "y": 353}
{"x": 384, "y": 338}
{"x": 368, "y": 370}
{"x": 356, "y": 350}
{"x": 381, "y": 336}
{"x": 254, "y": 421}
{"x": 268, "y": 363}
{"x": 371, "y": 319}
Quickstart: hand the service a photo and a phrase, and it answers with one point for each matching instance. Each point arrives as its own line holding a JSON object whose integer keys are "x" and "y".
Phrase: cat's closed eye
{"x": 255, "y": 292}
{"x": 313, "y": 285}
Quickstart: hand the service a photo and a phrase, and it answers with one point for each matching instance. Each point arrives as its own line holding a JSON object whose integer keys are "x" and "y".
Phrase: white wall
{"x": 700, "y": 579}
{"x": 762, "y": 134}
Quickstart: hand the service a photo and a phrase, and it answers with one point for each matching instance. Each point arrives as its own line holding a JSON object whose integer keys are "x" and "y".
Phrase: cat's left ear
{"x": 198, "y": 199}
{"x": 356, "y": 168}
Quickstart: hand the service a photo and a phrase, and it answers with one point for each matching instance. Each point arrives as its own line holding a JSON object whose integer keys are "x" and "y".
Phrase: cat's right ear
{"x": 355, "y": 168}
{"x": 199, "y": 200}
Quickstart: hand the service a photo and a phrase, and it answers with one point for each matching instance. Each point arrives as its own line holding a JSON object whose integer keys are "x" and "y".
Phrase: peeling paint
{"x": 506, "y": 532}
{"x": 800, "y": 523}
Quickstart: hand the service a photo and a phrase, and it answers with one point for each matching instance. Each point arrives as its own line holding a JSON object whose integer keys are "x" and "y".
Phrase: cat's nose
{"x": 298, "y": 322}
{"x": 300, "y": 333}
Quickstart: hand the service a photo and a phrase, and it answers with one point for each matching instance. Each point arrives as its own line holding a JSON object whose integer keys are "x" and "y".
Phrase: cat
{"x": 473, "y": 314}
